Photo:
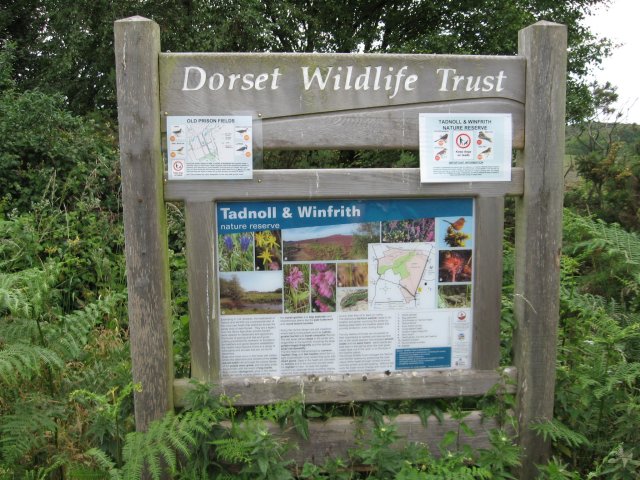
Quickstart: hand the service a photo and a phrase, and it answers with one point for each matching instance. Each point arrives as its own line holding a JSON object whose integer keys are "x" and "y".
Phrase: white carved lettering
{"x": 201, "y": 81}
{"x": 470, "y": 83}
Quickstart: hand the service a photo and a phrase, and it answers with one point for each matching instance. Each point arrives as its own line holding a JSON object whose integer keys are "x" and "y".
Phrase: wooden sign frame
{"x": 150, "y": 88}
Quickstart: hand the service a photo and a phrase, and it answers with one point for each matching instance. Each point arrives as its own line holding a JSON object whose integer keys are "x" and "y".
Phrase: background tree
{"x": 605, "y": 153}
{"x": 67, "y": 46}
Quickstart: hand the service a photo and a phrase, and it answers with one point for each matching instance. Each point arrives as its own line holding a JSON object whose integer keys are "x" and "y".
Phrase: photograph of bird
{"x": 442, "y": 152}
{"x": 483, "y": 136}
{"x": 241, "y": 130}
{"x": 177, "y": 131}
{"x": 242, "y": 148}
{"x": 458, "y": 224}
{"x": 487, "y": 151}
{"x": 442, "y": 138}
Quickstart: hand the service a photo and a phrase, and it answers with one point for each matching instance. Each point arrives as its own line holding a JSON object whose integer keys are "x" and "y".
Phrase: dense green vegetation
{"x": 65, "y": 382}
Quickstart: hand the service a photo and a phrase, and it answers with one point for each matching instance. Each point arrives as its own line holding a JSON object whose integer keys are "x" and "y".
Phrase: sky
{"x": 256, "y": 281}
{"x": 305, "y": 233}
{"x": 619, "y": 23}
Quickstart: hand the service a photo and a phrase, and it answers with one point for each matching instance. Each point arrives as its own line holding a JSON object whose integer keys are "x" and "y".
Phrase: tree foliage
{"x": 67, "y": 47}
{"x": 65, "y": 401}
{"x": 606, "y": 155}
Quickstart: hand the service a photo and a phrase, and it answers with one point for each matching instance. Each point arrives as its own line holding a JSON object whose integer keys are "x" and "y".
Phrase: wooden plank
{"x": 335, "y": 183}
{"x": 538, "y": 235}
{"x": 335, "y": 437}
{"x": 357, "y": 387}
{"x": 487, "y": 285}
{"x": 203, "y": 321}
{"x": 281, "y": 85}
{"x": 137, "y": 44}
{"x": 394, "y": 127}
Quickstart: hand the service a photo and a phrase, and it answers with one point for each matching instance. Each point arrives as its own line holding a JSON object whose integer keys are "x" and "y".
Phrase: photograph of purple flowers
{"x": 235, "y": 252}
{"x": 323, "y": 287}
{"x": 405, "y": 231}
{"x": 297, "y": 298}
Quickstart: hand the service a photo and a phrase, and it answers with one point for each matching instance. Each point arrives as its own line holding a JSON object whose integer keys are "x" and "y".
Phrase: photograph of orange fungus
{"x": 268, "y": 250}
{"x": 235, "y": 252}
{"x": 457, "y": 231}
{"x": 455, "y": 266}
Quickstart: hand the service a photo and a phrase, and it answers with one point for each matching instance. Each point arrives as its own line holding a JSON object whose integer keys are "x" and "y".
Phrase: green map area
{"x": 399, "y": 265}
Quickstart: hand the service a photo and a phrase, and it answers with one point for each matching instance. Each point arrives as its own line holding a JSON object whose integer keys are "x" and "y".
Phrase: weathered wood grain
{"x": 335, "y": 183}
{"x": 487, "y": 284}
{"x": 376, "y": 128}
{"x": 137, "y": 44}
{"x": 335, "y": 437}
{"x": 203, "y": 321}
{"x": 538, "y": 234}
{"x": 298, "y": 116}
{"x": 284, "y": 93}
{"x": 357, "y": 387}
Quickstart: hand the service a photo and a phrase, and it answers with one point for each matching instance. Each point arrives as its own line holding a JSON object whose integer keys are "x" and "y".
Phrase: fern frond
{"x": 71, "y": 334}
{"x": 158, "y": 447}
{"x": 20, "y": 362}
{"x": 26, "y": 431}
{"x": 18, "y": 330}
{"x": 603, "y": 237}
{"x": 104, "y": 463}
{"x": 233, "y": 450}
{"x": 134, "y": 455}
{"x": 619, "y": 375}
{"x": 24, "y": 293}
{"x": 38, "y": 474}
{"x": 559, "y": 433}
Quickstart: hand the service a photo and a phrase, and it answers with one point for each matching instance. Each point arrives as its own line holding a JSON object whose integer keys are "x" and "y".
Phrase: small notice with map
{"x": 209, "y": 148}
{"x": 468, "y": 147}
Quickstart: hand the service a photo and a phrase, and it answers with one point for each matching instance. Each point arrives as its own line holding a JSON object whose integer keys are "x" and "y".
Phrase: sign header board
{"x": 277, "y": 85}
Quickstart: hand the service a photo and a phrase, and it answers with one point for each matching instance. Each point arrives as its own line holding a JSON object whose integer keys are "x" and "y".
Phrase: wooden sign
{"x": 309, "y": 101}
{"x": 336, "y": 101}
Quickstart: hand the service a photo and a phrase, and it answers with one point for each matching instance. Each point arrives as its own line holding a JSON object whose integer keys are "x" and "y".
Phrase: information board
{"x": 344, "y": 286}
{"x": 465, "y": 147}
{"x": 209, "y": 148}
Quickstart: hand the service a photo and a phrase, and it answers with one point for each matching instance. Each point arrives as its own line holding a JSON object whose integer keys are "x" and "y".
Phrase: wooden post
{"x": 487, "y": 268}
{"x": 203, "y": 321}
{"x": 538, "y": 235}
{"x": 137, "y": 45}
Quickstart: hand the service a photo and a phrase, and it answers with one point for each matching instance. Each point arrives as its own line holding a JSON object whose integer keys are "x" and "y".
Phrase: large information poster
{"x": 344, "y": 286}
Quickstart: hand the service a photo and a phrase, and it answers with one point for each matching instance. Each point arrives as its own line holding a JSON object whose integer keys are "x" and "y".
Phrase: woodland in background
{"x": 65, "y": 382}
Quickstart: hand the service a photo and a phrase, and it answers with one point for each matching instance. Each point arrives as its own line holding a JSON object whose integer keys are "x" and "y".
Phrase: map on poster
{"x": 465, "y": 147}
{"x": 399, "y": 273}
{"x": 344, "y": 286}
{"x": 213, "y": 148}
